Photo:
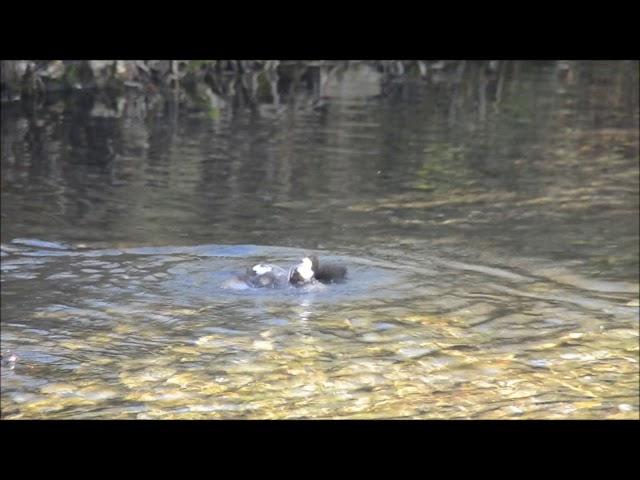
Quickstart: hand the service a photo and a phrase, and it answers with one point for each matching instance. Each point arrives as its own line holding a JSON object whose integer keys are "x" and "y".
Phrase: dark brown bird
{"x": 327, "y": 272}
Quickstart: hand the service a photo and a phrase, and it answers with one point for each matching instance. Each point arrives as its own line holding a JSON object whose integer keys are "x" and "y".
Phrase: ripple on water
{"x": 202, "y": 280}
{"x": 163, "y": 315}
{"x": 33, "y": 242}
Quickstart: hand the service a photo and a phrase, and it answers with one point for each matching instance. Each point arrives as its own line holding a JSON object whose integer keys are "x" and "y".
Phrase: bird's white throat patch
{"x": 261, "y": 269}
{"x": 305, "y": 270}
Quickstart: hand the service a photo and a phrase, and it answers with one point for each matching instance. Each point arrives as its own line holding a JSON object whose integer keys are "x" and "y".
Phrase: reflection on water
{"x": 489, "y": 222}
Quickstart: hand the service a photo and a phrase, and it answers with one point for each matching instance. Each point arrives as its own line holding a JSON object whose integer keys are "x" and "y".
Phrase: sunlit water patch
{"x": 149, "y": 332}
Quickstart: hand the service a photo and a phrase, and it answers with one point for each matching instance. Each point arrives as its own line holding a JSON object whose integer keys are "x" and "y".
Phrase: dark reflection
{"x": 92, "y": 138}
{"x": 312, "y": 155}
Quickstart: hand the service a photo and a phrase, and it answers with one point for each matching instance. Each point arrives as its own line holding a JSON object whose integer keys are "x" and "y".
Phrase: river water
{"x": 488, "y": 219}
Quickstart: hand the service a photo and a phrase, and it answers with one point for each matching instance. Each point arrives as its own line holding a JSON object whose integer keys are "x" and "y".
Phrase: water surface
{"x": 489, "y": 221}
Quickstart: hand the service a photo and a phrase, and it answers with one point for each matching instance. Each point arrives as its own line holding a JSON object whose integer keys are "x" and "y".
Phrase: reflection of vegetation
{"x": 444, "y": 167}
{"x": 458, "y": 133}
